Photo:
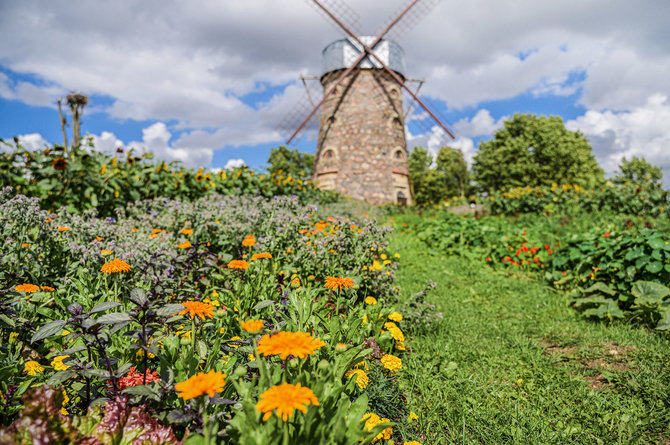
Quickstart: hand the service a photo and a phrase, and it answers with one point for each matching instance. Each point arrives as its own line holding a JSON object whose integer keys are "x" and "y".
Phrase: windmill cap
{"x": 341, "y": 54}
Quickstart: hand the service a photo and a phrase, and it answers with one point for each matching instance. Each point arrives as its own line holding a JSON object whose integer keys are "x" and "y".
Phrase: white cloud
{"x": 155, "y": 139}
{"x": 234, "y": 163}
{"x": 190, "y": 63}
{"x": 642, "y": 131}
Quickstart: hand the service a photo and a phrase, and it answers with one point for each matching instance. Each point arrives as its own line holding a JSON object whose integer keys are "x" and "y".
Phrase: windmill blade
{"x": 301, "y": 110}
{"x": 409, "y": 20}
{"x": 339, "y": 9}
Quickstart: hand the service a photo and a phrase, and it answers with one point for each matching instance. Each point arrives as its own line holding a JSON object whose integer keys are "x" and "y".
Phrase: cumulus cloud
{"x": 642, "y": 131}
{"x": 193, "y": 63}
{"x": 234, "y": 163}
{"x": 31, "y": 141}
{"x": 156, "y": 139}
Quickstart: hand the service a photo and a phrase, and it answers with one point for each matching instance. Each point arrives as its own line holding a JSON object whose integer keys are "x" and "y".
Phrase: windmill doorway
{"x": 401, "y": 199}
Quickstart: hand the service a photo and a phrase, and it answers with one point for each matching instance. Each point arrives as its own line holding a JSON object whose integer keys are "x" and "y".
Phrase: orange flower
{"x": 238, "y": 264}
{"x": 201, "y": 384}
{"x": 252, "y": 326}
{"x": 249, "y": 241}
{"x": 105, "y": 252}
{"x": 185, "y": 245}
{"x": 197, "y": 308}
{"x": 258, "y": 256}
{"x": 115, "y": 266}
{"x": 186, "y": 231}
{"x": 285, "y": 398}
{"x": 63, "y": 229}
{"x": 47, "y": 288}
{"x": 26, "y": 244}
{"x": 299, "y": 344}
{"x": 27, "y": 288}
{"x": 339, "y": 282}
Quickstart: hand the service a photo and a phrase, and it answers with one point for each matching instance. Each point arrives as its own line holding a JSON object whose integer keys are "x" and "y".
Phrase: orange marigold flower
{"x": 47, "y": 288}
{"x": 197, "y": 308}
{"x": 115, "y": 266}
{"x": 105, "y": 252}
{"x": 249, "y": 241}
{"x": 28, "y": 288}
{"x": 285, "y": 398}
{"x": 26, "y": 244}
{"x": 238, "y": 264}
{"x": 201, "y": 384}
{"x": 185, "y": 245}
{"x": 258, "y": 256}
{"x": 299, "y": 344}
{"x": 186, "y": 231}
{"x": 339, "y": 282}
{"x": 252, "y": 326}
{"x": 63, "y": 229}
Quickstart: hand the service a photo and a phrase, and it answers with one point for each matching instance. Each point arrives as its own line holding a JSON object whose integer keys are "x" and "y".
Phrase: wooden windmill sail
{"x": 361, "y": 149}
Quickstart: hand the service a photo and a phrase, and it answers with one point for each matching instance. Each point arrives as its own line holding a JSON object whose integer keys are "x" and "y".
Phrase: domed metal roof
{"x": 343, "y": 53}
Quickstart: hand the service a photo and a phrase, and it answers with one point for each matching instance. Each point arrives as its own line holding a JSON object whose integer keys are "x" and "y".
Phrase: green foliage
{"x": 291, "y": 162}
{"x": 535, "y": 151}
{"x": 638, "y": 171}
{"x": 571, "y": 199}
{"x": 87, "y": 179}
{"x": 437, "y": 181}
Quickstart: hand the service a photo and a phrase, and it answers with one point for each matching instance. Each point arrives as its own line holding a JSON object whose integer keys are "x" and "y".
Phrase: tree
{"x": 453, "y": 170}
{"x": 639, "y": 172}
{"x": 425, "y": 188}
{"x": 535, "y": 151}
{"x": 291, "y": 162}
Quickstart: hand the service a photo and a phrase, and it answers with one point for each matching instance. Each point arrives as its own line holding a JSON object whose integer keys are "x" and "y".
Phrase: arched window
{"x": 402, "y": 199}
{"x": 398, "y": 154}
{"x": 328, "y": 154}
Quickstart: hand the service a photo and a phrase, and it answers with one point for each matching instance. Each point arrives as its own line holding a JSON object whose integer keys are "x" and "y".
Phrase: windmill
{"x": 361, "y": 148}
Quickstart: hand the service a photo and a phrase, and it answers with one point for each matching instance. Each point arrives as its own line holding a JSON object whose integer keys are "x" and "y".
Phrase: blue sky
{"x": 209, "y": 83}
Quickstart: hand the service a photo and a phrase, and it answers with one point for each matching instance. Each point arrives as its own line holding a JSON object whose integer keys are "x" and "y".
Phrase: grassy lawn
{"x": 510, "y": 362}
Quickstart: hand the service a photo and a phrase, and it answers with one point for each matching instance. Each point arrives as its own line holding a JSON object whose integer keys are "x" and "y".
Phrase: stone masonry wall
{"x": 361, "y": 151}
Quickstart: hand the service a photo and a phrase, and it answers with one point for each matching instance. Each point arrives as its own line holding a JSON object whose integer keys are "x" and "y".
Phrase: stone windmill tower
{"x": 361, "y": 150}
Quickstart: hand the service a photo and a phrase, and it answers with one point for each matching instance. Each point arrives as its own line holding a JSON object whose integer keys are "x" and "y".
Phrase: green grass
{"x": 510, "y": 362}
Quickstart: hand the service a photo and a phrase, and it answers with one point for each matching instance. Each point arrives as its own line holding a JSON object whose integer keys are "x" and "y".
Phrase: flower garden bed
{"x": 227, "y": 319}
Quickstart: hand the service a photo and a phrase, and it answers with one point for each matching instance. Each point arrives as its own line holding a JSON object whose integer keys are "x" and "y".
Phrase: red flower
{"x": 607, "y": 234}
{"x": 524, "y": 248}
{"x": 546, "y": 246}
{"x": 488, "y": 259}
{"x": 550, "y": 251}
{"x": 518, "y": 252}
{"x": 134, "y": 378}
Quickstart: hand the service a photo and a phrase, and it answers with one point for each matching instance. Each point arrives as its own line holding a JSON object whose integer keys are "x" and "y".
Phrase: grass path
{"x": 510, "y": 362}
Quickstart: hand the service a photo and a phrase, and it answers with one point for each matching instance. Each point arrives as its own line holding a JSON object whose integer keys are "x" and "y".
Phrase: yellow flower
{"x": 115, "y": 266}
{"x": 200, "y": 384}
{"x": 66, "y": 399}
{"x": 412, "y": 416}
{"x": 395, "y": 316}
{"x": 362, "y": 379}
{"x": 299, "y": 344}
{"x": 285, "y": 398}
{"x": 58, "y": 364}
{"x": 251, "y": 357}
{"x": 391, "y": 362}
{"x": 397, "y": 255}
{"x": 236, "y": 338}
{"x": 214, "y": 294}
{"x": 376, "y": 265}
{"x": 365, "y": 319}
{"x": 33, "y": 368}
{"x": 395, "y": 331}
{"x": 412, "y": 442}
{"x": 222, "y": 330}
{"x": 252, "y": 326}
{"x": 383, "y": 256}
{"x": 370, "y": 300}
{"x": 13, "y": 336}
{"x": 372, "y": 420}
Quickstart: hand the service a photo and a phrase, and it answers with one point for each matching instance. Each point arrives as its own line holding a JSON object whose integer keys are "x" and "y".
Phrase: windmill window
{"x": 394, "y": 92}
{"x": 331, "y": 120}
{"x": 396, "y": 120}
{"x": 398, "y": 154}
{"x": 328, "y": 154}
